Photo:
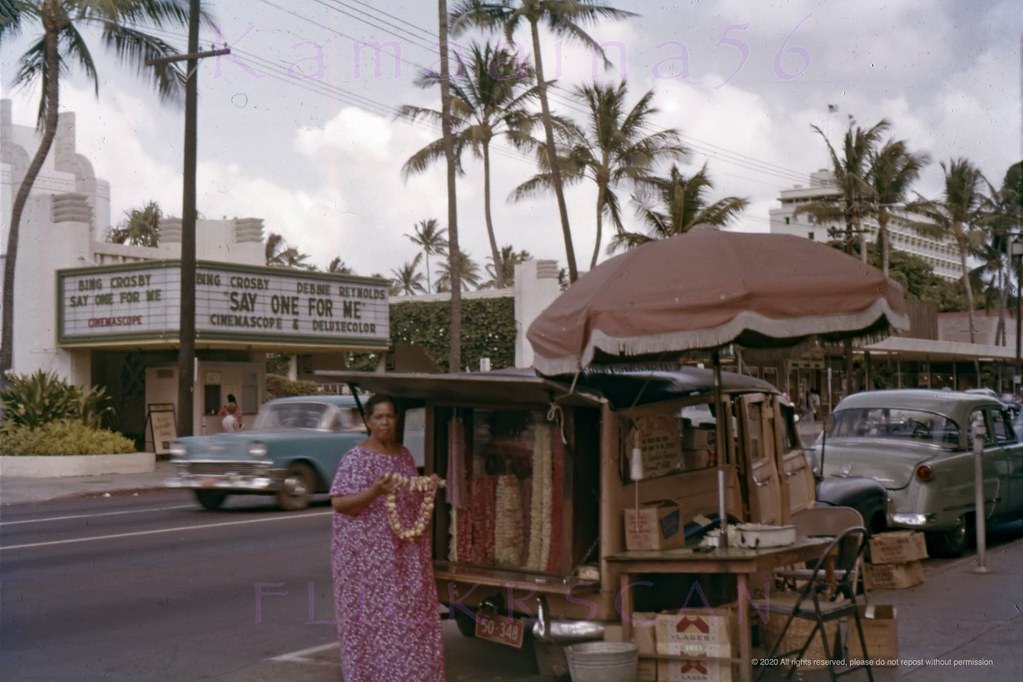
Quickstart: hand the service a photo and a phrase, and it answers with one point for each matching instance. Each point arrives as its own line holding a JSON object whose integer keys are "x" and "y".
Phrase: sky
{"x": 297, "y": 125}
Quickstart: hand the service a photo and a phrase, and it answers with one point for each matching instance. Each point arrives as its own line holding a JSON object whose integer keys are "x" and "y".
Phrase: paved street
{"x": 149, "y": 587}
{"x": 145, "y": 586}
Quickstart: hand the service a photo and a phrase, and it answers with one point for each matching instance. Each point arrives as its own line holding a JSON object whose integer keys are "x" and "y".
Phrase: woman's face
{"x": 382, "y": 422}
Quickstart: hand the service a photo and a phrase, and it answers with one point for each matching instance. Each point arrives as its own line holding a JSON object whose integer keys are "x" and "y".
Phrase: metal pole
{"x": 979, "y": 432}
{"x": 1019, "y": 319}
{"x": 723, "y": 435}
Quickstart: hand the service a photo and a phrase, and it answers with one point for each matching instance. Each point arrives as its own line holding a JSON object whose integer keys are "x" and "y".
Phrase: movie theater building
{"x": 97, "y": 313}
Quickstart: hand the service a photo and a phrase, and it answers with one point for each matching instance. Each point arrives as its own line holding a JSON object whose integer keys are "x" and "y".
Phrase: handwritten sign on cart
{"x": 163, "y": 426}
{"x": 658, "y": 438}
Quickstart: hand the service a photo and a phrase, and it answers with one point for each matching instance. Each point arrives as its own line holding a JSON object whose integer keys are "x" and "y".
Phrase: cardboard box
{"x": 881, "y": 631}
{"x": 696, "y": 632}
{"x": 694, "y": 671}
{"x": 646, "y": 671}
{"x": 897, "y": 547}
{"x": 893, "y": 576}
{"x": 815, "y": 657}
{"x": 654, "y": 526}
{"x": 697, "y": 459}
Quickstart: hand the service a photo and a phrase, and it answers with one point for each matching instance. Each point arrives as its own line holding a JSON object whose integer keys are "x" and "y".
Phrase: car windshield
{"x": 895, "y": 423}
{"x": 292, "y": 415}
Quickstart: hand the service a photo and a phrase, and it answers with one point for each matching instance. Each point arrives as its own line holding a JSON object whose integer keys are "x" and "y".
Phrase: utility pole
{"x": 186, "y": 325}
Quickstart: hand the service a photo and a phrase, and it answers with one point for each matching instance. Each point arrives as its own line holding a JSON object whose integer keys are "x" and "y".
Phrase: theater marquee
{"x": 265, "y": 306}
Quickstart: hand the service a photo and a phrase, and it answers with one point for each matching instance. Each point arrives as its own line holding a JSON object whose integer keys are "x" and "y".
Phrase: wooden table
{"x": 730, "y": 561}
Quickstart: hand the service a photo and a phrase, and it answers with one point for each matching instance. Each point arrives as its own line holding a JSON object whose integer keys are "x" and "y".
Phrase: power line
{"x": 717, "y": 151}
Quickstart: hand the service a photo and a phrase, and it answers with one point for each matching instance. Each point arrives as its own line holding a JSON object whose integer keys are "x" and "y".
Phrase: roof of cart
{"x": 620, "y": 387}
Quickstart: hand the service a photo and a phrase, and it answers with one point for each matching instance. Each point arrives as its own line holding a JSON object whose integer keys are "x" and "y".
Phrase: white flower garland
{"x": 540, "y": 502}
{"x": 423, "y": 484}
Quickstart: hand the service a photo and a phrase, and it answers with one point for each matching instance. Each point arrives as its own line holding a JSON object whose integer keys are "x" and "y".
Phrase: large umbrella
{"x": 707, "y": 289}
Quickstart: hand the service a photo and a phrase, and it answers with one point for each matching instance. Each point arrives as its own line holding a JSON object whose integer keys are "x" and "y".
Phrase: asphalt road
{"x": 149, "y": 587}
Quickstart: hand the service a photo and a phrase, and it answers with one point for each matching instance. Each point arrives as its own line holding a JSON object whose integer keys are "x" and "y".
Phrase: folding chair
{"x": 820, "y": 522}
{"x": 823, "y": 600}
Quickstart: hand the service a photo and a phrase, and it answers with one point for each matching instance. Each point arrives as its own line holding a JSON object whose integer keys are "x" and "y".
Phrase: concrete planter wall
{"x": 56, "y": 466}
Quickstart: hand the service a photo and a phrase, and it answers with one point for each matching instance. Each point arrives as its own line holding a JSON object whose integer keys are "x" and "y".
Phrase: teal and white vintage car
{"x": 292, "y": 451}
{"x": 919, "y": 445}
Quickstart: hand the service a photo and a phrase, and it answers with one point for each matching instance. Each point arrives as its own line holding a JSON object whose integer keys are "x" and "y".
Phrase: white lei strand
{"x": 423, "y": 484}
{"x": 508, "y": 522}
{"x": 540, "y": 504}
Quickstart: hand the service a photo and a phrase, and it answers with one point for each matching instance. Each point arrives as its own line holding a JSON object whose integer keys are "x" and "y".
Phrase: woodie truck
{"x": 539, "y": 479}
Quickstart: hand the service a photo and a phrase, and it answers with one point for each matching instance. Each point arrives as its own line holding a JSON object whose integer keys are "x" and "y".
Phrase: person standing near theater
{"x": 232, "y": 410}
{"x": 384, "y": 590}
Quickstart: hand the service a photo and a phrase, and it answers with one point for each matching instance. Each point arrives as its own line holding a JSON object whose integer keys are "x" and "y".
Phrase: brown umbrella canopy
{"x": 706, "y": 289}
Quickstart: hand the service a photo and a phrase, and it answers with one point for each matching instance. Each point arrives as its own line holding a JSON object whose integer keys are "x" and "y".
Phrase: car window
{"x": 291, "y": 415}
{"x": 896, "y": 424}
{"x": 1001, "y": 427}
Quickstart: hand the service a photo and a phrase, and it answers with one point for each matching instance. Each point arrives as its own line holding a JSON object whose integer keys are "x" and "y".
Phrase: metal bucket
{"x": 603, "y": 661}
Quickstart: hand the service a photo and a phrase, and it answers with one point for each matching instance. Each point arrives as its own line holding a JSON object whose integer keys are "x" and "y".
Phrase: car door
{"x": 797, "y": 482}
{"x": 759, "y": 446}
{"x": 1006, "y": 454}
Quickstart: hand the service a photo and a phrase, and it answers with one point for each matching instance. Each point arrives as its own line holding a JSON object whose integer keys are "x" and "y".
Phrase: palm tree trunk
{"x": 552, "y": 153}
{"x": 429, "y": 286}
{"x": 967, "y": 286}
{"x": 1003, "y": 300}
{"x": 454, "y": 254}
{"x": 601, "y": 194}
{"x": 494, "y": 252}
{"x": 51, "y": 91}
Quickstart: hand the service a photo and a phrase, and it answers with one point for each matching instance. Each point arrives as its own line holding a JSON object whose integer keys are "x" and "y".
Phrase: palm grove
{"x": 603, "y": 135}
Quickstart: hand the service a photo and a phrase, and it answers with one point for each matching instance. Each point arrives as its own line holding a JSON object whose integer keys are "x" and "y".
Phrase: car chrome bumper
{"x": 242, "y": 476}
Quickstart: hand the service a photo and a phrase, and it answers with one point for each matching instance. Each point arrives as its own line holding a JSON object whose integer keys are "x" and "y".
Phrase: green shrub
{"x": 279, "y": 387}
{"x": 41, "y": 397}
{"x": 61, "y": 437}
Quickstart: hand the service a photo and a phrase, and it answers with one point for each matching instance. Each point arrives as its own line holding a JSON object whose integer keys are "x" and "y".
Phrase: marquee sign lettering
{"x": 233, "y": 303}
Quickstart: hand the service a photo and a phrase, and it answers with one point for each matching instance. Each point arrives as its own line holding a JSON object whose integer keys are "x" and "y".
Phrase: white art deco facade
{"x": 941, "y": 254}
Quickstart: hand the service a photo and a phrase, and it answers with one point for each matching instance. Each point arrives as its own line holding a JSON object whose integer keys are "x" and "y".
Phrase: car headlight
{"x": 258, "y": 449}
{"x": 178, "y": 449}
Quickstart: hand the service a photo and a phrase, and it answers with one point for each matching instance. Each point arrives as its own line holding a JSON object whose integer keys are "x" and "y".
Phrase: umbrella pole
{"x": 722, "y": 446}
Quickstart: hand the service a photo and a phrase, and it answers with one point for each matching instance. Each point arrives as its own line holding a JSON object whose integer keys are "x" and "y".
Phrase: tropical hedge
{"x": 45, "y": 415}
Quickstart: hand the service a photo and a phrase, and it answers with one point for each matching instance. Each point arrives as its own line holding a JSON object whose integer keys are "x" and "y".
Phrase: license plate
{"x": 500, "y": 629}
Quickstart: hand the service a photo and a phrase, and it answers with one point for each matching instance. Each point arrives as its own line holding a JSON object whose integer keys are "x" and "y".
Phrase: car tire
{"x": 210, "y": 500}
{"x": 950, "y": 543}
{"x": 297, "y": 488}
{"x": 466, "y": 623}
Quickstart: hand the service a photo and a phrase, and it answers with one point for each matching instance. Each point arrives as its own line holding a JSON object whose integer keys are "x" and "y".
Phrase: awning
{"x": 929, "y": 349}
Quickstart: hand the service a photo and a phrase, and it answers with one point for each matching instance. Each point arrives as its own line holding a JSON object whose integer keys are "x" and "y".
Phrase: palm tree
{"x": 429, "y": 237}
{"x": 613, "y": 150}
{"x": 488, "y": 100}
{"x": 295, "y": 259}
{"x": 892, "y": 170}
{"x": 141, "y": 227}
{"x": 854, "y": 191}
{"x": 961, "y": 215}
{"x": 273, "y": 250}
{"x": 407, "y": 280}
{"x": 338, "y": 266}
{"x": 50, "y": 57}
{"x": 676, "y": 204}
{"x": 503, "y": 270}
{"x": 468, "y": 273}
{"x": 562, "y": 17}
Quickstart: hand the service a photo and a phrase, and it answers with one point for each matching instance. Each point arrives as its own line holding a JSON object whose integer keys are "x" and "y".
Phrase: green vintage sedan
{"x": 292, "y": 451}
{"x": 918, "y": 444}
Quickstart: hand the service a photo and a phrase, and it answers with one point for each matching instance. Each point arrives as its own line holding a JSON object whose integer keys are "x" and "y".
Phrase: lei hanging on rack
{"x": 424, "y": 484}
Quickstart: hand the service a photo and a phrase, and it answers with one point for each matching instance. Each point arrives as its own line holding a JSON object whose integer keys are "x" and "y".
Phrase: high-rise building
{"x": 941, "y": 254}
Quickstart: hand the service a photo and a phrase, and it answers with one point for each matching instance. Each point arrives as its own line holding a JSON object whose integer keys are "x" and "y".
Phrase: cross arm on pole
{"x": 188, "y": 56}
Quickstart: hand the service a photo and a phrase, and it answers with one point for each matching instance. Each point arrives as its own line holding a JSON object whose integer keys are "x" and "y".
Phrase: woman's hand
{"x": 386, "y": 483}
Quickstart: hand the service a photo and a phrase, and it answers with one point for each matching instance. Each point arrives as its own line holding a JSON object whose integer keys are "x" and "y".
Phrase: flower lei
{"x": 423, "y": 484}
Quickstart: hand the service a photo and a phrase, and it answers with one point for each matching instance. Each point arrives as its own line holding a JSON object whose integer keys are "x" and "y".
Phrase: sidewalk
{"x": 19, "y": 490}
